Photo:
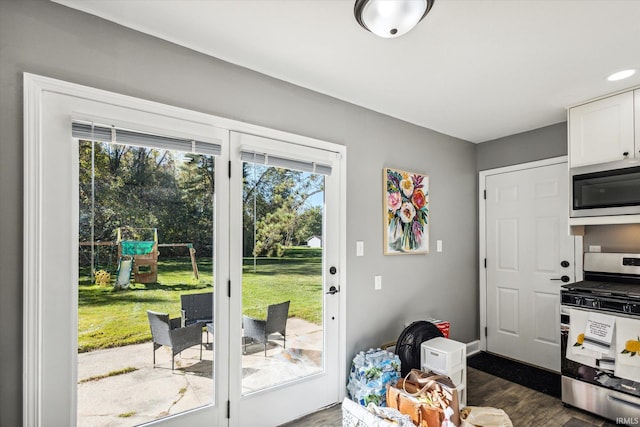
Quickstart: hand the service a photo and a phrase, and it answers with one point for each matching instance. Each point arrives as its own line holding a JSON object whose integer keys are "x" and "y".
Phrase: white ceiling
{"x": 474, "y": 69}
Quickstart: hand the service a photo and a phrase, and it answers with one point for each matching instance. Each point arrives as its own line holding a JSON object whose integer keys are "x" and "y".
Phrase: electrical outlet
{"x": 359, "y": 248}
{"x": 377, "y": 282}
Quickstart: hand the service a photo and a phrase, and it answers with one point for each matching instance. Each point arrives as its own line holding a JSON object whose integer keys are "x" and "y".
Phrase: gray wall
{"x": 48, "y": 39}
{"x": 537, "y": 144}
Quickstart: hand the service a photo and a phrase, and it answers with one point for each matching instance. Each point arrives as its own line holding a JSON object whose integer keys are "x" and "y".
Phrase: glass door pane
{"x": 282, "y": 283}
{"x": 146, "y": 289}
{"x": 284, "y": 313}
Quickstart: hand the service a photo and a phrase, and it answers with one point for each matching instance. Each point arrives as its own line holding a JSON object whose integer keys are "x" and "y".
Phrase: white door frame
{"x": 482, "y": 237}
{"x": 35, "y": 89}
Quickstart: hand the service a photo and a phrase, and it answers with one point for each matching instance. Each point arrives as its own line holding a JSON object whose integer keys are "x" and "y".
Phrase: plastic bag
{"x": 484, "y": 416}
{"x": 371, "y": 371}
{"x": 355, "y": 415}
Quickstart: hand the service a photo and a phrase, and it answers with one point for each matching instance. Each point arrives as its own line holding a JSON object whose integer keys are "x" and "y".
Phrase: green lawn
{"x": 110, "y": 318}
{"x": 281, "y": 279}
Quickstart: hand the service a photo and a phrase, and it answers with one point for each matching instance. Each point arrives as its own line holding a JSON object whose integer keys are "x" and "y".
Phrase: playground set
{"x": 141, "y": 256}
{"x": 137, "y": 256}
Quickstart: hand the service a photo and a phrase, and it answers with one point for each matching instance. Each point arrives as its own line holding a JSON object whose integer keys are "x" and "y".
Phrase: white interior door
{"x": 528, "y": 249}
{"x": 284, "y": 377}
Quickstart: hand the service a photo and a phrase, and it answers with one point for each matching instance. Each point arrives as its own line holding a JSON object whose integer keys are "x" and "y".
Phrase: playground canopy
{"x": 137, "y": 247}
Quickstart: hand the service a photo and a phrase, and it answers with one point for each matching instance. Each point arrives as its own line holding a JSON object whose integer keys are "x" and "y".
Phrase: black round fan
{"x": 409, "y": 341}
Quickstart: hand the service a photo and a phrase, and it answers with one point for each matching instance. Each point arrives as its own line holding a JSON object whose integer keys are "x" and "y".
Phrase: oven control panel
{"x": 631, "y": 261}
{"x": 599, "y": 302}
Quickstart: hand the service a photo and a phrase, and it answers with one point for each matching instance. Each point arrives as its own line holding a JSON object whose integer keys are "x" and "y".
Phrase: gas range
{"x": 612, "y": 283}
{"x": 597, "y": 382}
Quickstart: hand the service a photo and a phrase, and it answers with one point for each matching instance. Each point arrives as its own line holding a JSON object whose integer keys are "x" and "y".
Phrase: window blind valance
{"x": 95, "y": 132}
{"x": 282, "y": 162}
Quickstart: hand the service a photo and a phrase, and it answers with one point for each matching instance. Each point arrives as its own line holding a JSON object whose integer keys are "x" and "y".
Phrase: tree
{"x": 275, "y": 202}
{"x": 139, "y": 187}
{"x": 197, "y": 183}
{"x": 309, "y": 224}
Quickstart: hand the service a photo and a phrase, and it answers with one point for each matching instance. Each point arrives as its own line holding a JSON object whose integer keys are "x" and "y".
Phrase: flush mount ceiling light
{"x": 621, "y": 75}
{"x": 390, "y": 18}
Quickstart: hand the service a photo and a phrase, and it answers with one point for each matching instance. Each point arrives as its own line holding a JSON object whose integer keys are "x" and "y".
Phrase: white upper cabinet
{"x": 603, "y": 130}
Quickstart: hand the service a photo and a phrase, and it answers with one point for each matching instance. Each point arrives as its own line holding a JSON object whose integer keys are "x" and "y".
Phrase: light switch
{"x": 359, "y": 248}
{"x": 377, "y": 281}
{"x": 438, "y": 245}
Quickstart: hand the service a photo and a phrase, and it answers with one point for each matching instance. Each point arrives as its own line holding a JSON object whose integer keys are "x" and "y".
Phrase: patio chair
{"x": 259, "y": 330}
{"x": 197, "y": 308}
{"x": 167, "y": 332}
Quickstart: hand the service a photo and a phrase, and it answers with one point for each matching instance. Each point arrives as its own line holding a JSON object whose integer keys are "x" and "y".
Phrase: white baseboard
{"x": 473, "y": 347}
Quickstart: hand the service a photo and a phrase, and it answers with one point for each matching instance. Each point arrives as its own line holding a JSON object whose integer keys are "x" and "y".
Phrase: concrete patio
{"x": 148, "y": 393}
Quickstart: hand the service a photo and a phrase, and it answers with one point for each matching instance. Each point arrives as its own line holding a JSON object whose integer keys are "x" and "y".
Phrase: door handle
{"x": 624, "y": 402}
{"x": 333, "y": 290}
{"x": 565, "y": 279}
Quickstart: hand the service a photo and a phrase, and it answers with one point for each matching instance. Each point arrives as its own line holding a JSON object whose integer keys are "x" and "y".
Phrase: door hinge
{"x": 229, "y": 168}
{"x": 485, "y": 331}
{"x": 228, "y": 409}
{"x": 485, "y": 263}
{"x": 485, "y": 194}
{"x": 229, "y": 288}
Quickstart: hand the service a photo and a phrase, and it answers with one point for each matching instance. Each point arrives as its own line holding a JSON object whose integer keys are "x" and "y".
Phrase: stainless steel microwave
{"x": 605, "y": 189}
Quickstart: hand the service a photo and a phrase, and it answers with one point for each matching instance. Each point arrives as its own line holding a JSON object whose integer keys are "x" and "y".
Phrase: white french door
{"x": 529, "y": 253}
{"x": 302, "y": 369}
{"x": 238, "y": 376}
{"x": 54, "y": 318}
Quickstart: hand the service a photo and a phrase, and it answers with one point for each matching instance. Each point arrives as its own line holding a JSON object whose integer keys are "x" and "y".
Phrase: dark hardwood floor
{"x": 525, "y": 407}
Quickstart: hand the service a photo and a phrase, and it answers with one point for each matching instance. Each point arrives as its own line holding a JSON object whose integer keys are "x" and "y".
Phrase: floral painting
{"x": 406, "y": 212}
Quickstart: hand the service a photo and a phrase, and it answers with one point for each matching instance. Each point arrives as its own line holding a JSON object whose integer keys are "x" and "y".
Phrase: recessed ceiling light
{"x": 621, "y": 75}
